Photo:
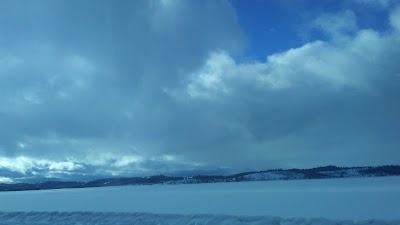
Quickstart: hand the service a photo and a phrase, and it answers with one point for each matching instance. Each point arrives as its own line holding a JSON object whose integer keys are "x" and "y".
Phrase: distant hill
{"x": 327, "y": 172}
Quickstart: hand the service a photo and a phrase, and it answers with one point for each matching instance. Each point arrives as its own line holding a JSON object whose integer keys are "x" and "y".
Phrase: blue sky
{"x": 105, "y": 88}
{"x": 275, "y": 26}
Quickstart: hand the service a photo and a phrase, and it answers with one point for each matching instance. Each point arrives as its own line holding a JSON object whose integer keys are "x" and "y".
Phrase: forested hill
{"x": 327, "y": 172}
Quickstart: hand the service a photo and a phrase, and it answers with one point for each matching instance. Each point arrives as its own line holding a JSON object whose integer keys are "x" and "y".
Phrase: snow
{"x": 352, "y": 199}
{"x": 344, "y": 173}
{"x": 279, "y": 175}
{"x": 98, "y": 218}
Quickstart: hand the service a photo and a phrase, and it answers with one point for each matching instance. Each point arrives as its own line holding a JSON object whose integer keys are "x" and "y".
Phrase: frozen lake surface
{"x": 336, "y": 199}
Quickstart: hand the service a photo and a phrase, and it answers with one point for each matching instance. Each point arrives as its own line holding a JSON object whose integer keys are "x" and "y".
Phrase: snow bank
{"x": 335, "y": 199}
{"x": 98, "y": 218}
{"x": 279, "y": 175}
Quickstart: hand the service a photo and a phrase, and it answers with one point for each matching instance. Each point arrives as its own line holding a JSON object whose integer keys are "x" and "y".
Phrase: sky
{"x": 102, "y": 88}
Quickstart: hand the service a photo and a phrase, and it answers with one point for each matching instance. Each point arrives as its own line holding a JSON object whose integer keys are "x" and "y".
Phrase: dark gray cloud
{"x": 82, "y": 81}
{"x": 103, "y": 88}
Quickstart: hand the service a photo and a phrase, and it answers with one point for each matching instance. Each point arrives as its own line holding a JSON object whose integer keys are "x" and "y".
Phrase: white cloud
{"x": 377, "y": 3}
{"x": 355, "y": 63}
{"x": 81, "y": 64}
{"x": 210, "y": 79}
{"x": 24, "y": 165}
{"x": 41, "y": 85}
{"x": 9, "y": 62}
{"x": 21, "y": 145}
{"x": 64, "y": 166}
{"x": 6, "y": 180}
{"x": 90, "y": 90}
{"x": 337, "y": 25}
{"x": 395, "y": 19}
{"x": 127, "y": 160}
{"x": 301, "y": 98}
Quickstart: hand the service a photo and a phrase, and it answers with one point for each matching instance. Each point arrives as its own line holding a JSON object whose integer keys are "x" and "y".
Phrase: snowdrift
{"x": 101, "y": 218}
{"x": 339, "y": 201}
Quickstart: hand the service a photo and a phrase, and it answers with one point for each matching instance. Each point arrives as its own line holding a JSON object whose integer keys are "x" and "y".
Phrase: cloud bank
{"x": 158, "y": 87}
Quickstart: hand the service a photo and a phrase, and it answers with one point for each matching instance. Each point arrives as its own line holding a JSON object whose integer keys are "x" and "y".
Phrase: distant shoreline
{"x": 326, "y": 172}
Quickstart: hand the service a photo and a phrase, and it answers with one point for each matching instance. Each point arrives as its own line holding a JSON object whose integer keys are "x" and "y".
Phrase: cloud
{"x": 85, "y": 79}
{"x": 150, "y": 87}
{"x": 395, "y": 19}
{"x": 357, "y": 61}
{"x": 357, "y": 64}
{"x": 65, "y": 166}
{"x": 337, "y": 25}
{"x": 377, "y": 3}
{"x": 5, "y": 180}
{"x": 324, "y": 99}
{"x": 22, "y": 164}
{"x": 27, "y": 165}
{"x": 28, "y": 169}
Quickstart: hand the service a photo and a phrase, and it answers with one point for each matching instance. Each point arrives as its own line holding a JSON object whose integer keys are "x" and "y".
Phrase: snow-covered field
{"x": 352, "y": 199}
{"x": 98, "y": 218}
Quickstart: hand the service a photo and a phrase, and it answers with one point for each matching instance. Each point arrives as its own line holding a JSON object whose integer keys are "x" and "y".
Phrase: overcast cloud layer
{"x": 126, "y": 88}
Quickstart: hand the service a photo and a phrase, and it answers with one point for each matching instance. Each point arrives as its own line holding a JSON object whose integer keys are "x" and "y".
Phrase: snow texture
{"x": 351, "y": 199}
{"x": 344, "y": 173}
{"x": 281, "y": 175}
{"x": 99, "y": 218}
